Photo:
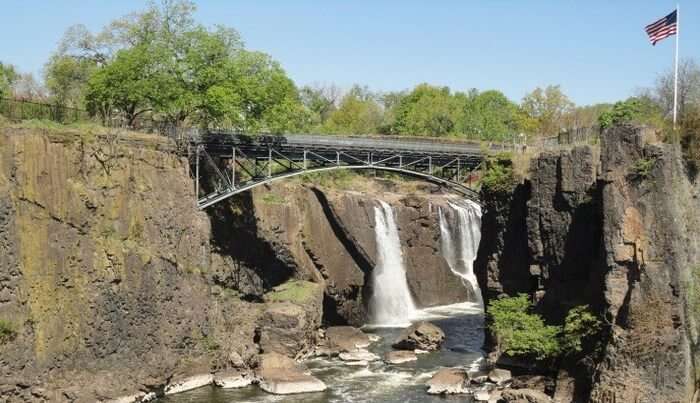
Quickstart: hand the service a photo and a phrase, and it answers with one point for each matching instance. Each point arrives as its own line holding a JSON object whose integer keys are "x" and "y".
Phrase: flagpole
{"x": 675, "y": 79}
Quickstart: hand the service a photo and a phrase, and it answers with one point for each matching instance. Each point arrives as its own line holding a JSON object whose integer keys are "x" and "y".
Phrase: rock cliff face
{"x": 618, "y": 232}
{"x": 112, "y": 283}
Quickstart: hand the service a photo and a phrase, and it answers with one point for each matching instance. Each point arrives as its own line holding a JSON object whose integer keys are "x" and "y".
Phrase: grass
{"x": 297, "y": 291}
{"x": 7, "y": 331}
{"x": 272, "y": 198}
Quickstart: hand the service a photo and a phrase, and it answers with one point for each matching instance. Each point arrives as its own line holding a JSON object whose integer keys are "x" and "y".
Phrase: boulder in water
{"x": 422, "y": 336}
{"x": 500, "y": 376}
{"x": 524, "y": 396}
{"x": 449, "y": 381}
{"x": 399, "y": 357}
{"x": 281, "y": 375}
{"x": 233, "y": 379}
{"x": 346, "y": 339}
{"x": 192, "y": 382}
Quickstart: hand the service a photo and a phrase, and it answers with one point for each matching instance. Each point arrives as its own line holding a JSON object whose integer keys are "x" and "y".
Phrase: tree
{"x": 521, "y": 333}
{"x": 549, "y": 107}
{"x": 637, "y": 110}
{"x": 426, "y": 111}
{"x": 26, "y": 87}
{"x": 489, "y": 115}
{"x": 320, "y": 101}
{"x": 357, "y": 113}
{"x": 586, "y": 116}
{"x": 688, "y": 89}
{"x": 8, "y": 76}
{"x": 66, "y": 78}
{"x": 130, "y": 84}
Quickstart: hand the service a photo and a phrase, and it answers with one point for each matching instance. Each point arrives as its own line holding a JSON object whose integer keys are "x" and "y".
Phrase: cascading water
{"x": 460, "y": 234}
{"x": 391, "y": 303}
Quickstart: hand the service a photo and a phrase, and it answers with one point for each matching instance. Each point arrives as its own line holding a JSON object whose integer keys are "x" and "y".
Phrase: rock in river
{"x": 346, "y": 339}
{"x": 399, "y": 357}
{"x": 422, "y": 336}
{"x": 449, "y": 381}
{"x": 524, "y": 396}
{"x": 282, "y": 375}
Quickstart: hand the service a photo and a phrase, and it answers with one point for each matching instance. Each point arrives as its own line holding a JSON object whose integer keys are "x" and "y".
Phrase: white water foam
{"x": 391, "y": 304}
{"x": 460, "y": 234}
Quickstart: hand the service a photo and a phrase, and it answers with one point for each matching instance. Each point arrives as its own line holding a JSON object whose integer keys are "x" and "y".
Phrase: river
{"x": 379, "y": 382}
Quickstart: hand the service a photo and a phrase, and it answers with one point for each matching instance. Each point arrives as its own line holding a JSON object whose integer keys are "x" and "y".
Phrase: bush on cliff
{"x": 521, "y": 332}
{"x": 498, "y": 178}
{"x": 7, "y": 331}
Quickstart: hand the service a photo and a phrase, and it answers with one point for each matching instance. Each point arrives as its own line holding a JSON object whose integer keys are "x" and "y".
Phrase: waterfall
{"x": 460, "y": 234}
{"x": 391, "y": 303}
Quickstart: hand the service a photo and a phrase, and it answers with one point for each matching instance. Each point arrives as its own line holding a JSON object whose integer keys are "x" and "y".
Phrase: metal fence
{"x": 15, "y": 109}
{"x": 569, "y": 137}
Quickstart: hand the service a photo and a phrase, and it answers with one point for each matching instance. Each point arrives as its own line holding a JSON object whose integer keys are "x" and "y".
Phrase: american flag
{"x": 662, "y": 28}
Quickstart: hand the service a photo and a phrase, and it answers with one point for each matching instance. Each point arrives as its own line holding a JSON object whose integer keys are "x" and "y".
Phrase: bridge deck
{"x": 389, "y": 145}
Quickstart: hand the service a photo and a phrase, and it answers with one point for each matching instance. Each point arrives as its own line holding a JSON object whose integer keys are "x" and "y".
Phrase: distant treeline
{"x": 160, "y": 65}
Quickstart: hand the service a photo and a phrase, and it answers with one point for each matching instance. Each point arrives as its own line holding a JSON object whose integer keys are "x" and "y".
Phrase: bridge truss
{"x": 237, "y": 163}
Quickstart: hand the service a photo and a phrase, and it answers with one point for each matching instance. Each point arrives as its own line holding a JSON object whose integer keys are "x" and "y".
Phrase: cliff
{"x": 113, "y": 284}
{"x": 618, "y": 232}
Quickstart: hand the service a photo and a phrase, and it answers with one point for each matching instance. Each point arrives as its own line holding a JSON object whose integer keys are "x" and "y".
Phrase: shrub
{"x": 521, "y": 333}
{"x": 498, "y": 178}
{"x": 7, "y": 331}
{"x": 579, "y": 325}
{"x": 642, "y": 167}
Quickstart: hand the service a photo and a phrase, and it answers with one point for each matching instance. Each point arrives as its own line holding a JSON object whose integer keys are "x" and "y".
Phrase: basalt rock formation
{"x": 113, "y": 284}
{"x": 616, "y": 231}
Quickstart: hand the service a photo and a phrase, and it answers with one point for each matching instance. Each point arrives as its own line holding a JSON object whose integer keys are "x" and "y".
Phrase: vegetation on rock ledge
{"x": 521, "y": 332}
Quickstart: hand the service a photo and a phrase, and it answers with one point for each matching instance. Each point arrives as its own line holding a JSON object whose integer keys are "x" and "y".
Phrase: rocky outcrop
{"x": 420, "y": 336}
{"x": 652, "y": 262}
{"x": 105, "y": 271}
{"x": 616, "y": 230}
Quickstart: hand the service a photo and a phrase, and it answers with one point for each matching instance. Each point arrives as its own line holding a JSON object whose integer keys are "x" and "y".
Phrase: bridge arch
{"x": 240, "y": 164}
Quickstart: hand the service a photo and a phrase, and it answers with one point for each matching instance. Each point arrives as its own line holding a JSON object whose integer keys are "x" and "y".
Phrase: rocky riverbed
{"x": 377, "y": 380}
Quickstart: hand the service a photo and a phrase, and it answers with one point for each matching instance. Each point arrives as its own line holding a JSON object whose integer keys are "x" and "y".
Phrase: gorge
{"x": 115, "y": 286}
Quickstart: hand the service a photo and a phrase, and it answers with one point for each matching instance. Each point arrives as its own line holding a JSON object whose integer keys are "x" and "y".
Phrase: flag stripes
{"x": 662, "y": 28}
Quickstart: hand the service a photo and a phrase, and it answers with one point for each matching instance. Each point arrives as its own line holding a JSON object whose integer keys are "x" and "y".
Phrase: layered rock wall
{"x": 618, "y": 232}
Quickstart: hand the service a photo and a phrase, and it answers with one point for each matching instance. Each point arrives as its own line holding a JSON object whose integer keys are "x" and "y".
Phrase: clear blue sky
{"x": 597, "y": 50}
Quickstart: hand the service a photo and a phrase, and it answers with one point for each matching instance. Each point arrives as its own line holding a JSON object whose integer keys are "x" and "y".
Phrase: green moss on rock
{"x": 296, "y": 291}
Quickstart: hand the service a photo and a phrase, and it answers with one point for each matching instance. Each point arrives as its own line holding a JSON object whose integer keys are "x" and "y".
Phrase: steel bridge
{"x": 235, "y": 163}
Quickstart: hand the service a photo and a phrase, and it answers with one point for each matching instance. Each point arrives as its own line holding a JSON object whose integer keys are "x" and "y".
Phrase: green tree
{"x": 520, "y": 332}
{"x": 489, "y": 115}
{"x": 131, "y": 84}
{"x": 580, "y": 324}
{"x": 549, "y": 107}
{"x": 637, "y": 110}
{"x": 357, "y": 113}
{"x": 66, "y": 79}
{"x": 8, "y": 76}
{"x": 426, "y": 111}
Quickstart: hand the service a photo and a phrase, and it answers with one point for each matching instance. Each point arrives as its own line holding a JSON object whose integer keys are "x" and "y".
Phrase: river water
{"x": 379, "y": 382}
{"x": 391, "y": 309}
